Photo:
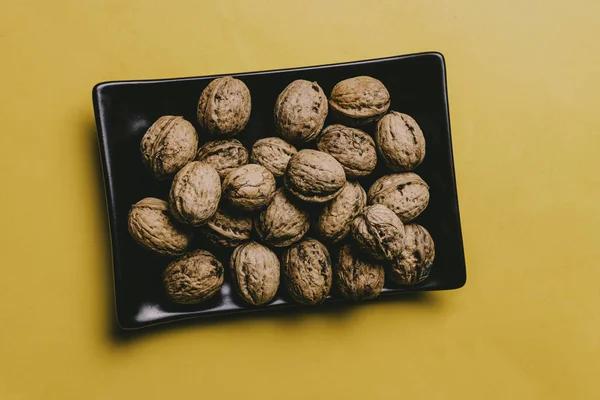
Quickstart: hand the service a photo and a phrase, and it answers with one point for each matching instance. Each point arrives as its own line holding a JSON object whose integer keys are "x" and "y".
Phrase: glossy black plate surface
{"x": 125, "y": 110}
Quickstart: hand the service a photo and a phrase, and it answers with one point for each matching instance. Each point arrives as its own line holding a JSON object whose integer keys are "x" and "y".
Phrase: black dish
{"x": 125, "y": 110}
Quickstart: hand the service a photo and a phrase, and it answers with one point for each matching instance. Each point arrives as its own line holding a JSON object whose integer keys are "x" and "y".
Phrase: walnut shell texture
{"x": 223, "y": 155}
{"x": 151, "y": 225}
{"x": 359, "y": 100}
{"x": 335, "y": 219}
{"x": 249, "y": 187}
{"x": 193, "y": 278}
{"x": 255, "y": 273}
{"x": 379, "y": 232}
{"x": 351, "y": 147}
{"x": 405, "y": 193}
{"x": 224, "y": 106}
{"x": 228, "y": 228}
{"x": 272, "y": 153}
{"x": 413, "y": 265}
{"x": 283, "y": 222}
{"x": 400, "y": 141}
{"x": 307, "y": 271}
{"x": 357, "y": 278}
{"x": 300, "y": 111}
{"x": 169, "y": 144}
{"x": 195, "y": 193}
{"x": 314, "y": 176}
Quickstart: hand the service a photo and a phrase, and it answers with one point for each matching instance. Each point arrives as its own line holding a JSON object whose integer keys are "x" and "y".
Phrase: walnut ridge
{"x": 283, "y": 222}
{"x": 223, "y": 155}
{"x": 255, "y": 273}
{"x": 406, "y": 194}
{"x": 400, "y": 141}
{"x": 272, "y": 153}
{"x": 359, "y": 100}
{"x": 195, "y": 277}
{"x": 351, "y": 147}
{"x": 224, "y": 106}
{"x": 357, "y": 278}
{"x": 413, "y": 264}
{"x": 228, "y": 228}
{"x": 334, "y": 221}
{"x": 249, "y": 187}
{"x": 379, "y": 232}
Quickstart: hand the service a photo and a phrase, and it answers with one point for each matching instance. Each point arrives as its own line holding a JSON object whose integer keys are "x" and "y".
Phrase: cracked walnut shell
{"x": 400, "y": 141}
{"x": 193, "y": 278}
{"x": 359, "y": 100}
{"x": 351, "y": 147}
{"x": 255, "y": 273}
{"x": 379, "y": 232}
{"x": 335, "y": 219}
{"x": 150, "y": 224}
{"x": 249, "y": 187}
{"x": 228, "y": 228}
{"x": 169, "y": 144}
{"x": 406, "y": 194}
{"x": 224, "y": 106}
{"x": 272, "y": 153}
{"x": 414, "y": 263}
{"x": 223, "y": 155}
{"x": 307, "y": 271}
{"x": 357, "y": 278}
{"x": 283, "y": 222}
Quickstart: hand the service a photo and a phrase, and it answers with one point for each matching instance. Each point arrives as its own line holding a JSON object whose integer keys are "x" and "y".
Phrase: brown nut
{"x": 224, "y": 106}
{"x": 400, "y": 141}
{"x": 283, "y": 222}
{"x": 195, "y": 277}
{"x": 314, "y": 176}
{"x": 169, "y": 144}
{"x": 255, "y": 273}
{"x": 195, "y": 193}
{"x": 249, "y": 187}
{"x": 307, "y": 271}
{"x": 353, "y": 148}
{"x": 379, "y": 233}
{"x": 359, "y": 100}
{"x": 300, "y": 111}
{"x": 333, "y": 223}
{"x": 223, "y": 155}
{"x": 414, "y": 263}
{"x": 228, "y": 228}
{"x": 272, "y": 153}
{"x": 357, "y": 278}
{"x": 150, "y": 224}
{"x": 406, "y": 194}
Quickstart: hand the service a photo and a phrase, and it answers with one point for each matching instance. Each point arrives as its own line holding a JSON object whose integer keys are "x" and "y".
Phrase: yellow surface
{"x": 524, "y": 94}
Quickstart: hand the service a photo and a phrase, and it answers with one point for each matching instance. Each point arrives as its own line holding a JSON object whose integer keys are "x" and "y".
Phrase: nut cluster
{"x": 251, "y": 201}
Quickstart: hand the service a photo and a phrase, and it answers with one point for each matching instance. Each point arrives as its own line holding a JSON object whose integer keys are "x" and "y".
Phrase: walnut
{"x": 223, "y": 155}
{"x": 379, "y": 232}
{"x": 307, "y": 271}
{"x": 414, "y": 263}
{"x": 406, "y": 194}
{"x": 359, "y": 100}
{"x": 195, "y": 193}
{"x": 283, "y": 222}
{"x": 300, "y": 111}
{"x": 151, "y": 225}
{"x": 333, "y": 223}
{"x": 228, "y": 228}
{"x": 169, "y": 144}
{"x": 272, "y": 153}
{"x": 353, "y": 148}
{"x": 224, "y": 106}
{"x": 357, "y": 278}
{"x": 314, "y": 176}
{"x": 400, "y": 141}
{"x": 195, "y": 277}
{"x": 249, "y": 187}
{"x": 255, "y": 273}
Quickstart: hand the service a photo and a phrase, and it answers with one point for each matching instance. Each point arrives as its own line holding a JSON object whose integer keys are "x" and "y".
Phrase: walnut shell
{"x": 333, "y": 223}
{"x": 314, "y": 176}
{"x": 195, "y": 277}
{"x": 150, "y": 224}
{"x": 406, "y": 194}
{"x": 300, "y": 111}
{"x": 283, "y": 222}
{"x": 414, "y": 263}
{"x": 353, "y": 148}
{"x": 228, "y": 228}
{"x": 224, "y": 106}
{"x": 169, "y": 144}
{"x": 379, "y": 232}
{"x": 400, "y": 141}
{"x": 307, "y": 271}
{"x": 195, "y": 193}
{"x": 249, "y": 187}
{"x": 255, "y": 273}
{"x": 357, "y": 278}
{"x": 272, "y": 153}
{"x": 359, "y": 100}
{"x": 223, "y": 155}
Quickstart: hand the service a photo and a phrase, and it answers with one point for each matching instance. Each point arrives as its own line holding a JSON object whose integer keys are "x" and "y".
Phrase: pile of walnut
{"x": 226, "y": 192}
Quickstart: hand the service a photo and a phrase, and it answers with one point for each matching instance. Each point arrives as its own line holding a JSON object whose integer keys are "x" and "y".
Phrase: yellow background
{"x": 524, "y": 95}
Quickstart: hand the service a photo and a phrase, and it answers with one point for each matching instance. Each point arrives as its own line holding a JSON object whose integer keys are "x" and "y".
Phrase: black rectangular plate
{"x": 125, "y": 110}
